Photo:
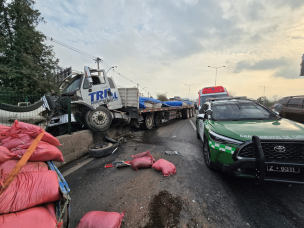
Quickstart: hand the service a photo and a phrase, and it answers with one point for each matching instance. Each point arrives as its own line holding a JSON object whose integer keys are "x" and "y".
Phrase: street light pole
{"x": 110, "y": 68}
{"x": 189, "y": 89}
{"x": 216, "y": 71}
{"x": 264, "y": 90}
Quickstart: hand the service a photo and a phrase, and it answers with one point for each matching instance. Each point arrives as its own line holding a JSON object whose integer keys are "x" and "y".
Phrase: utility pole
{"x": 264, "y": 90}
{"x": 97, "y": 60}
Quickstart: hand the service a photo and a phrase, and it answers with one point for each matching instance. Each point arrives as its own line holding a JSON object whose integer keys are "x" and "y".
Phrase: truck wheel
{"x": 206, "y": 151}
{"x": 188, "y": 113}
{"x": 184, "y": 113}
{"x": 103, "y": 149}
{"x": 191, "y": 112}
{"x": 148, "y": 122}
{"x": 157, "y": 120}
{"x": 99, "y": 119}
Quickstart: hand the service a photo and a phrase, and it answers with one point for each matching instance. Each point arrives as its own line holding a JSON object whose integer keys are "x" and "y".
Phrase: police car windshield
{"x": 241, "y": 111}
{"x": 204, "y": 98}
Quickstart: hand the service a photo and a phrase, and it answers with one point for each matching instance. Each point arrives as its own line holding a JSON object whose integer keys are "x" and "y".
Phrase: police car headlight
{"x": 223, "y": 139}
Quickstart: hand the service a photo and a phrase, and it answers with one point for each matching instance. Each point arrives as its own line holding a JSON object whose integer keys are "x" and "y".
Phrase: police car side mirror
{"x": 200, "y": 116}
{"x": 278, "y": 107}
{"x": 209, "y": 113}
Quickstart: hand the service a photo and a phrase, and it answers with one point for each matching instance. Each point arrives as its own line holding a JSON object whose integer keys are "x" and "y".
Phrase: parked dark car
{"x": 293, "y": 108}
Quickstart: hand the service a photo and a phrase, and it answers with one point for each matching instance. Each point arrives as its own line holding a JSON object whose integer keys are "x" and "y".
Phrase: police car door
{"x": 202, "y": 121}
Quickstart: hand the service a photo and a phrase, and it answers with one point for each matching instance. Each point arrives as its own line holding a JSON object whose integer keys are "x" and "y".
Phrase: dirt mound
{"x": 164, "y": 210}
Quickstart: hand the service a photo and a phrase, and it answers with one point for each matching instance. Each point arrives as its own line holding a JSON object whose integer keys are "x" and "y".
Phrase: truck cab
{"x": 210, "y": 92}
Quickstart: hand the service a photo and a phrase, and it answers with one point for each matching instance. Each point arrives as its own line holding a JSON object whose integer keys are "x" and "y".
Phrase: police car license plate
{"x": 280, "y": 168}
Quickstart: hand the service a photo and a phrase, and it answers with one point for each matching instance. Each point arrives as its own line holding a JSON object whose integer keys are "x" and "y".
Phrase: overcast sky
{"x": 165, "y": 44}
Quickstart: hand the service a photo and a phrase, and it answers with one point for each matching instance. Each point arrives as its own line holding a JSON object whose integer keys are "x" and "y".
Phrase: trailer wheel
{"x": 188, "y": 113}
{"x": 149, "y": 121}
{"x": 184, "y": 113}
{"x": 99, "y": 119}
{"x": 158, "y": 120}
{"x": 191, "y": 112}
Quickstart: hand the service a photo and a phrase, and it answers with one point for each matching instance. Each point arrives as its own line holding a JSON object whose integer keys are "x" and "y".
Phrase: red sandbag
{"x": 165, "y": 166}
{"x": 144, "y": 154}
{"x": 4, "y": 128}
{"x": 140, "y": 163}
{"x": 6, "y": 155}
{"x": 29, "y": 189}
{"x": 101, "y": 219}
{"x": 33, "y": 131}
{"x": 43, "y": 152}
{"x": 16, "y": 140}
{"x": 8, "y": 166}
{"x": 40, "y": 216}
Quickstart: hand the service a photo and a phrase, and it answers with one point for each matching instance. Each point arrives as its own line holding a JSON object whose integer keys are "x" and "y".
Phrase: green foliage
{"x": 161, "y": 97}
{"x": 27, "y": 64}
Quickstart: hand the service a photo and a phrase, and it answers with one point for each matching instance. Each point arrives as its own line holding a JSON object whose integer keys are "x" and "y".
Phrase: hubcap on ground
{"x": 99, "y": 117}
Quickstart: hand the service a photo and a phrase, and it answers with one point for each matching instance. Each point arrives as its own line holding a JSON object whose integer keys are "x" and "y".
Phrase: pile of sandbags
{"x": 29, "y": 199}
{"x": 146, "y": 160}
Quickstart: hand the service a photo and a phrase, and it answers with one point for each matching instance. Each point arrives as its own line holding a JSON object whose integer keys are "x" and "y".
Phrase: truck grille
{"x": 294, "y": 151}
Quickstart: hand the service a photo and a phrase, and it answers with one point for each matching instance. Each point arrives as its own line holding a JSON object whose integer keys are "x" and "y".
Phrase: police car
{"x": 245, "y": 139}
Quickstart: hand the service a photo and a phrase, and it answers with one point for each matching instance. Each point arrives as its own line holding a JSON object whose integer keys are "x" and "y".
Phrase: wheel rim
{"x": 149, "y": 121}
{"x": 99, "y": 117}
{"x": 206, "y": 152}
{"x": 187, "y": 113}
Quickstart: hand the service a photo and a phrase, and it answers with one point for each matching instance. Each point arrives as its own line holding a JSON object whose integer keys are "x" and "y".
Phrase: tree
{"x": 161, "y": 96}
{"x": 231, "y": 93}
{"x": 264, "y": 101}
{"x": 27, "y": 65}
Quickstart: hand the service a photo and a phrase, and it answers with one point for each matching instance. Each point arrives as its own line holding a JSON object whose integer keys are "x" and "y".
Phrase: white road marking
{"x": 69, "y": 171}
{"x": 193, "y": 125}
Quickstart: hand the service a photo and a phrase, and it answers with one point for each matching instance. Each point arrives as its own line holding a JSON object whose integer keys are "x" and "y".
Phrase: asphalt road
{"x": 194, "y": 197}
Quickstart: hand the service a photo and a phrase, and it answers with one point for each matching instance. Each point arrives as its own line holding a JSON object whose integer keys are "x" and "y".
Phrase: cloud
{"x": 149, "y": 40}
{"x": 284, "y": 67}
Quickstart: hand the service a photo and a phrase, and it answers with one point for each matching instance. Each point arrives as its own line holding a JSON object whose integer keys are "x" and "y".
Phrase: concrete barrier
{"x": 77, "y": 144}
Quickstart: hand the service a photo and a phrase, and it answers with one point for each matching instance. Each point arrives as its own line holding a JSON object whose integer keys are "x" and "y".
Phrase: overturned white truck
{"x": 95, "y": 101}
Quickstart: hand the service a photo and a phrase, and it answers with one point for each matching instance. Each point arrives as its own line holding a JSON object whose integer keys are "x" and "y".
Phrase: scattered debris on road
{"x": 171, "y": 152}
{"x": 165, "y": 166}
{"x": 95, "y": 219}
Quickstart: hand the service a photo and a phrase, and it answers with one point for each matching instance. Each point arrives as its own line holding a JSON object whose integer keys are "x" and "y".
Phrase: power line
{"x": 88, "y": 56}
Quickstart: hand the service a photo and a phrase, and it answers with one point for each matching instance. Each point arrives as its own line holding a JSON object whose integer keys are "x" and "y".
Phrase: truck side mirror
{"x": 88, "y": 76}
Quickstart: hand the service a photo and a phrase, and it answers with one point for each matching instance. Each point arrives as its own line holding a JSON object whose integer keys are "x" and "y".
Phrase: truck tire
{"x": 188, "y": 113}
{"x": 206, "y": 151}
{"x": 15, "y": 108}
{"x": 184, "y": 113}
{"x": 102, "y": 149}
{"x": 148, "y": 121}
{"x": 157, "y": 120}
{"x": 191, "y": 112}
{"x": 99, "y": 119}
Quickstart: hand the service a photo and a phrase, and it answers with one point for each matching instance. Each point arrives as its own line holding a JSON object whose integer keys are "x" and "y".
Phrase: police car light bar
{"x": 226, "y": 98}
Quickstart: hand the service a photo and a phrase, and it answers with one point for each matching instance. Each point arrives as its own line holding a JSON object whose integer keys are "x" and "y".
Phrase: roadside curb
{"x": 77, "y": 144}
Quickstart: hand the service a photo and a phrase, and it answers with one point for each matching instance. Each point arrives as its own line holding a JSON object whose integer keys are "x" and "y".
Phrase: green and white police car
{"x": 245, "y": 139}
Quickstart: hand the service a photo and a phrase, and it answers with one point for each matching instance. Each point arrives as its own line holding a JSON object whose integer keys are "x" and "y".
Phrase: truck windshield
{"x": 72, "y": 85}
{"x": 204, "y": 98}
{"x": 241, "y": 111}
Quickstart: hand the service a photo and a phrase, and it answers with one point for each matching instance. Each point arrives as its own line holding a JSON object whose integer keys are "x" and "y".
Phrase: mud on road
{"x": 193, "y": 197}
